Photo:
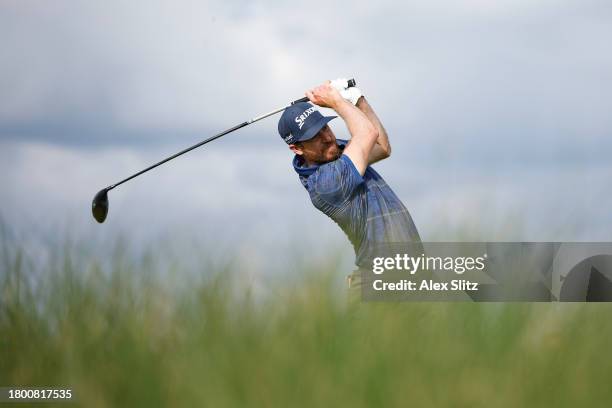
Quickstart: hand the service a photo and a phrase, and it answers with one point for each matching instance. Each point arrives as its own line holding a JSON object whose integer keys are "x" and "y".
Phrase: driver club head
{"x": 99, "y": 206}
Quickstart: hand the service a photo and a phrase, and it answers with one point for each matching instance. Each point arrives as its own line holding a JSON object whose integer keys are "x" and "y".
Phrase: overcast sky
{"x": 498, "y": 113}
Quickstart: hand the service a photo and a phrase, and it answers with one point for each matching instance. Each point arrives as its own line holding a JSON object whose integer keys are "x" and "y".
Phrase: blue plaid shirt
{"x": 366, "y": 208}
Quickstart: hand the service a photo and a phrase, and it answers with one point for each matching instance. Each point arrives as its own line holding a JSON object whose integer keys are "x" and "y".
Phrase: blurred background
{"x": 498, "y": 114}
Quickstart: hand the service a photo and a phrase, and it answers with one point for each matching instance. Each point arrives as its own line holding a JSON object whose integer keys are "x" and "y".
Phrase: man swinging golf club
{"x": 337, "y": 173}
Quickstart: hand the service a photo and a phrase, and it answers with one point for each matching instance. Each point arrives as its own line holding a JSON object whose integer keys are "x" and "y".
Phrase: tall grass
{"x": 121, "y": 336}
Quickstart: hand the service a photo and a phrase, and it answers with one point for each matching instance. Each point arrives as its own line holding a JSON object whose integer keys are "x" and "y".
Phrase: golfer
{"x": 338, "y": 175}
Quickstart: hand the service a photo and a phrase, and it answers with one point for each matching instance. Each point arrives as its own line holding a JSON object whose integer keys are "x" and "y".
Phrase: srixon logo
{"x": 302, "y": 118}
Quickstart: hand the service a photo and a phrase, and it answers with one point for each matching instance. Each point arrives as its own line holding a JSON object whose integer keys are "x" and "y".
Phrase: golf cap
{"x": 300, "y": 122}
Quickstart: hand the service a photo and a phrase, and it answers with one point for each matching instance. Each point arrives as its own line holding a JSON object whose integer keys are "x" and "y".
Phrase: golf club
{"x": 99, "y": 205}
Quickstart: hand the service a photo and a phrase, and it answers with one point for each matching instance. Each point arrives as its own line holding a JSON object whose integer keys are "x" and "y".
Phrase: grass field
{"x": 122, "y": 335}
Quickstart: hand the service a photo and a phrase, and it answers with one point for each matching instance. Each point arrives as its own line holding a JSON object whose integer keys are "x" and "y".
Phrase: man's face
{"x": 320, "y": 149}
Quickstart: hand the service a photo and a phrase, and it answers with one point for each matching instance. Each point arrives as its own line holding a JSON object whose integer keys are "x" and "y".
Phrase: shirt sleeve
{"x": 337, "y": 181}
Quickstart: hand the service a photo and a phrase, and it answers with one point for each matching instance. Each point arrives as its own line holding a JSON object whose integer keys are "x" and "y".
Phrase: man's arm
{"x": 363, "y": 132}
{"x": 382, "y": 148}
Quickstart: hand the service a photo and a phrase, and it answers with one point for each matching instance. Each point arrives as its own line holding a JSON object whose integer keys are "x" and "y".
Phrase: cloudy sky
{"x": 498, "y": 113}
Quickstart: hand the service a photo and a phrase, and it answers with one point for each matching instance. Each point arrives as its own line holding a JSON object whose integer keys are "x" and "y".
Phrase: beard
{"x": 329, "y": 154}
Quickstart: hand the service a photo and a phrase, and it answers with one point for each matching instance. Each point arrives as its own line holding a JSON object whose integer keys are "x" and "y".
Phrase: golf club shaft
{"x": 351, "y": 83}
{"x": 203, "y": 142}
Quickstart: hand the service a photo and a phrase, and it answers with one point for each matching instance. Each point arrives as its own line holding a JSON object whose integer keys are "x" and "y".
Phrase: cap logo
{"x": 302, "y": 118}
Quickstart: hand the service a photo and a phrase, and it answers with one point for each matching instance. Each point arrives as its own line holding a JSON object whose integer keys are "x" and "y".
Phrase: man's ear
{"x": 297, "y": 149}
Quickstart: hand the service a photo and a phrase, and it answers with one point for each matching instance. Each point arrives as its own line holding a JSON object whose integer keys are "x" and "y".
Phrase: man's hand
{"x": 351, "y": 94}
{"x": 326, "y": 96}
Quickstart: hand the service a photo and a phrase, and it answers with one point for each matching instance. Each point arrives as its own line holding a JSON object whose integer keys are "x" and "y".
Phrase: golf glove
{"x": 351, "y": 94}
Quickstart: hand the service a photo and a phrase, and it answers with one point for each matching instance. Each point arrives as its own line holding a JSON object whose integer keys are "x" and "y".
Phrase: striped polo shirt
{"x": 365, "y": 207}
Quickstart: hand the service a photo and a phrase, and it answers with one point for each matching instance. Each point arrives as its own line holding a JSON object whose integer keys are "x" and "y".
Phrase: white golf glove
{"x": 351, "y": 94}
